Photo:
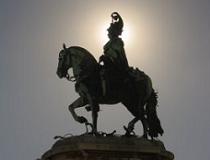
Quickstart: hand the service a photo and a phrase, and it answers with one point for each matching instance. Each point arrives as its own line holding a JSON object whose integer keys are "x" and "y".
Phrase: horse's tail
{"x": 152, "y": 118}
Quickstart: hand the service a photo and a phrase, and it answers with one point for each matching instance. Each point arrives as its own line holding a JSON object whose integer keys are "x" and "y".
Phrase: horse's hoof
{"x": 129, "y": 132}
{"x": 82, "y": 119}
{"x": 145, "y": 136}
{"x": 97, "y": 134}
{"x": 130, "y": 128}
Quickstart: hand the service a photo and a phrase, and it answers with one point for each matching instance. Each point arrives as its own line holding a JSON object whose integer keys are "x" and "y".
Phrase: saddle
{"x": 114, "y": 80}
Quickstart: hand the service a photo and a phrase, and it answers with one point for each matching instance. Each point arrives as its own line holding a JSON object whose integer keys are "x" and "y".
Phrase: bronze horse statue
{"x": 135, "y": 92}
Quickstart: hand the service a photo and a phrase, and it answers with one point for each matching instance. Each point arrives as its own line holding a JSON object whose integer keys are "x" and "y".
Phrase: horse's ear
{"x": 64, "y": 46}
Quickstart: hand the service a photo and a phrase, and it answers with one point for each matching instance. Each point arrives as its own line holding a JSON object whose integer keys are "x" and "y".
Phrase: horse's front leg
{"x": 92, "y": 101}
{"x": 80, "y": 102}
{"x": 95, "y": 109}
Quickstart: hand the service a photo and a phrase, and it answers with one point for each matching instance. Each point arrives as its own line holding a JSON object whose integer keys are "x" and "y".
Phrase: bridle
{"x": 68, "y": 77}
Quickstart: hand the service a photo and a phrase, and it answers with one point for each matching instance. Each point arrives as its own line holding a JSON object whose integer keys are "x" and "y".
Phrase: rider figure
{"x": 114, "y": 57}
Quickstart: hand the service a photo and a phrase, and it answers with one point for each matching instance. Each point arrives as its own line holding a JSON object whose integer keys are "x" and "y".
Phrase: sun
{"x": 126, "y": 34}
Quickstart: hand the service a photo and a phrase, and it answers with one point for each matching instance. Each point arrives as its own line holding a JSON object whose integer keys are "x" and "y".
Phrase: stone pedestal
{"x": 107, "y": 148}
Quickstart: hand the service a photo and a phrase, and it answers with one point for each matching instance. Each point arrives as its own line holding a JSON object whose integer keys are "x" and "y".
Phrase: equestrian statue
{"x": 110, "y": 81}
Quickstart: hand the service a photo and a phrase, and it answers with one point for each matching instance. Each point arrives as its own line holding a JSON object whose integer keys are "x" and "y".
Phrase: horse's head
{"x": 64, "y": 62}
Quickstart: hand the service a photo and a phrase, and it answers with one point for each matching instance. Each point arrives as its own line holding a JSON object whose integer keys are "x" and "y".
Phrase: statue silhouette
{"x": 131, "y": 87}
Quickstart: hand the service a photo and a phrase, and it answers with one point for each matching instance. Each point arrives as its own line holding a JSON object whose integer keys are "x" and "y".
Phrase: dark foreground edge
{"x": 107, "y": 148}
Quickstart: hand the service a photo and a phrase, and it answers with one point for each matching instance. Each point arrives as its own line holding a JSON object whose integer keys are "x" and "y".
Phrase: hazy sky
{"x": 170, "y": 41}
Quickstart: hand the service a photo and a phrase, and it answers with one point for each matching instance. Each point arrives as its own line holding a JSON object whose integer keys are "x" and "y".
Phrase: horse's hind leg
{"x": 131, "y": 124}
{"x": 143, "y": 119}
{"x": 80, "y": 102}
{"x": 145, "y": 127}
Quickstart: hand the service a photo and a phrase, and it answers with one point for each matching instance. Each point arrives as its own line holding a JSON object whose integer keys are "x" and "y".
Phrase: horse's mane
{"x": 85, "y": 52}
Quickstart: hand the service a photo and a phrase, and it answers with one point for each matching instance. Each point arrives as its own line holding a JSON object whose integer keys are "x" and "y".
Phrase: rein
{"x": 70, "y": 78}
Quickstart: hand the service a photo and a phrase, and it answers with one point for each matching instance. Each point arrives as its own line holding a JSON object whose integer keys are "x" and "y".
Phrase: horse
{"x": 137, "y": 95}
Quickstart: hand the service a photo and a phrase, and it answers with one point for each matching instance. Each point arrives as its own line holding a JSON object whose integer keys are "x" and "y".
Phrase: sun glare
{"x": 126, "y": 34}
